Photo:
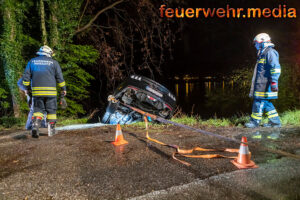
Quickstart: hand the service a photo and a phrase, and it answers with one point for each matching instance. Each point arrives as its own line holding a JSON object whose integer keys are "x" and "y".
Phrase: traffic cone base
{"x": 251, "y": 164}
{"x": 243, "y": 160}
{"x": 118, "y": 143}
{"x": 119, "y": 139}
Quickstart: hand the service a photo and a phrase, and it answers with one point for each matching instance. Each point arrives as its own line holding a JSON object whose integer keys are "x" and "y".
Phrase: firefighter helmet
{"x": 262, "y": 37}
{"x": 45, "y": 51}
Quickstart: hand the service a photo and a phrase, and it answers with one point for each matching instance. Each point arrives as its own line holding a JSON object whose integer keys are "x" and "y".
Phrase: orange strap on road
{"x": 183, "y": 152}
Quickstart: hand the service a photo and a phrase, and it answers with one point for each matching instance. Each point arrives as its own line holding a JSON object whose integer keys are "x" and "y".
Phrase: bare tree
{"x": 130, "y": 36}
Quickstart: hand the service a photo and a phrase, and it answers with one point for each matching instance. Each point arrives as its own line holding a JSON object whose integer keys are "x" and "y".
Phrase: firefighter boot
{"x": 252, "y": 124}
{"x": 36, "y": 123}
{"x": 51, "y": 129}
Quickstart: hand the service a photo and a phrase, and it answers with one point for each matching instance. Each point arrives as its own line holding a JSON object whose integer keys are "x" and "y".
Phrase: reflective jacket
{"x": 268, "y": 71}
{"x": 42, "y": 73}
{"x": 20, "y": 84}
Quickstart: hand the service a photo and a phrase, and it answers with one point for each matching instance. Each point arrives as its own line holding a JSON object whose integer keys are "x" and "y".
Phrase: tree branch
{"x": 97, "y": 15}
{"x": 86, "y": 4}
{"x": 43, "y": 25}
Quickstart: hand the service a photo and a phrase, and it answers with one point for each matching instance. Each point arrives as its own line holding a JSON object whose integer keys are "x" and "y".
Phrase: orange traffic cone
{"x": 243, "y": 160}
{"x": 119, "y": 140}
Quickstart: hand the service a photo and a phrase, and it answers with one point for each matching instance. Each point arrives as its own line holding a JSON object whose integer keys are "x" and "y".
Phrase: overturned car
{"x": 142, "y": 93}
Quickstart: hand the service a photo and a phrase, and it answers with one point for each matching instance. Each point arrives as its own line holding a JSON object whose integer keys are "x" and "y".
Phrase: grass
{"x": 11, "y": 122}
{"x": 216, "y": 122}
{"x": 291, "y": 117}
{"x": 187, "y": 120}
{"x": 69, "y": 121}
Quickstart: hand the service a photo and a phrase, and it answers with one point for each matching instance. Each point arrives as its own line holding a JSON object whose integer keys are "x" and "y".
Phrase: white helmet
{"x": 45, "y": 51}
{"x": 262, "y": 37}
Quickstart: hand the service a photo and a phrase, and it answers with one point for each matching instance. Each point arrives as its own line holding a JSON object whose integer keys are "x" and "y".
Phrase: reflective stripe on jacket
{"x": 268, "y": 71}
{"x": 43, "y": 72}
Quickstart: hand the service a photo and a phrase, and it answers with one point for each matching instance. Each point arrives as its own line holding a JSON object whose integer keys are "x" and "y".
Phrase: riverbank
{"x": 288, "y": 118}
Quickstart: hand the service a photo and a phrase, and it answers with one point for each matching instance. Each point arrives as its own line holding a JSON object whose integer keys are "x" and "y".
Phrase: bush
{"x": 8, "y": 122}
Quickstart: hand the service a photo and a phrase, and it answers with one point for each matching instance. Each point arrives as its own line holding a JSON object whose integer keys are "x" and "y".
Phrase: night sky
{"x": 211, "y": 46}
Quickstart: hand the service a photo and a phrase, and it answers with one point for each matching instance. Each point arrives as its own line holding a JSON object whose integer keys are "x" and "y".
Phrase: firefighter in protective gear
{"x": 265, "y": 83}
{"x": 41, "y": 75}
{"x": 28, "y": 125}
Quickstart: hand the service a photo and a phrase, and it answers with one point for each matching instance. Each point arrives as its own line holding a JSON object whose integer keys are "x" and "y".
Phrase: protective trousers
{"x": 261, "y": 106}
{"x": 45, "y": 104}
{"x": 28, "y": 125}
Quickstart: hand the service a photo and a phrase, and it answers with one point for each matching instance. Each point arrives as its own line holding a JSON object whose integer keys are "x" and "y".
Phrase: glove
{"x": 63, "y": 103}
{"x": 29, "y": 100}
{"x": 28, "y": 97}
{"x": 274, "y": 87}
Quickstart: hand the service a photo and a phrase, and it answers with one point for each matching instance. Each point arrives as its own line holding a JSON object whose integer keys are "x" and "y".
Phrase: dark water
{"x": 222, "y": 99}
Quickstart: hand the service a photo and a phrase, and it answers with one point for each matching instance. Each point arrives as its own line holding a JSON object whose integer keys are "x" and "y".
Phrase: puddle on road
{"x": 271, "y": 134}
{"x": 119, "y": 154}
{"x": 283, "y": 140}
{"x": 265, "y": 135}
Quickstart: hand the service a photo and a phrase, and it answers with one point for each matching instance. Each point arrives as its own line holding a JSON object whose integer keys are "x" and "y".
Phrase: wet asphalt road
{"x": 84, "y": 165}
